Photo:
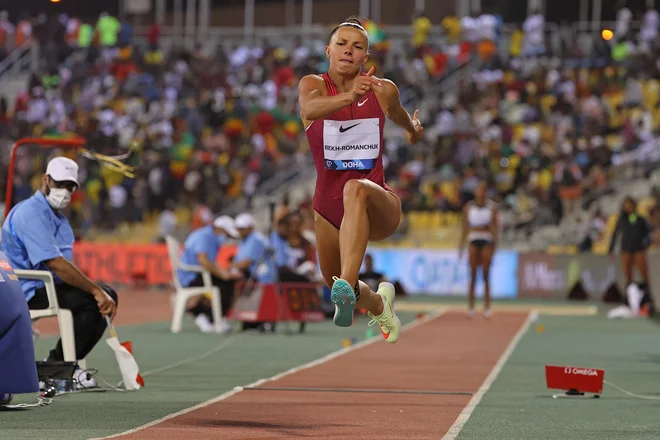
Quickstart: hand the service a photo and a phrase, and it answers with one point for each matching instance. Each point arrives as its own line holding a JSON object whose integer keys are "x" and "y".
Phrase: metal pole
{"x": 178, "y": 19}
{"x": 462, "y": 8}
{"x": 595, "y": 15}
{"x": 191, "y": 7}
{"x": 307, "y": 9}
{"x": 160, "y": 12}
{"x": 203, "y": 20}
{"x": 290, "y": 12}
{"x": 476, "y": 6}
{"x": 420, "y": 5}
{"x": 248, "y": 28}
{"x": 375, "y": 11}
{"x": 35, "y": 58}
{"x": 584, "y": 10}
{"x": 364, "y": 8}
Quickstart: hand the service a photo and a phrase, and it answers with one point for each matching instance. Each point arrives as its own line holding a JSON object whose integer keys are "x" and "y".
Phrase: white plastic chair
{"x": 183, "y": 294}
{"x": 64, "y": 316}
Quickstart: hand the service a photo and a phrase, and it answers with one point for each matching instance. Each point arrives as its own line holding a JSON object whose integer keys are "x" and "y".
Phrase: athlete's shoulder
{"x": 313, "y": 80}
{"x": 492, "y": 204}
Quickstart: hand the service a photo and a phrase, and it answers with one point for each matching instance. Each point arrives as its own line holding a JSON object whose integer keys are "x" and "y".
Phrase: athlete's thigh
{"x": 384, "y": 210}
{"x": 327, "y": 247}
{"x": 641, "y": 264}
{"x": 487, "y": 256}
{"x": 474, "y": 253}
{"x": 627, "y": 264}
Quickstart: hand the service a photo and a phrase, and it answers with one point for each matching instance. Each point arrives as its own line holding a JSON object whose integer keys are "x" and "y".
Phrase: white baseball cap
{"x": 63, "y": 169}
{"x": 244, "y": 221}
{"x": 226, "y": 224}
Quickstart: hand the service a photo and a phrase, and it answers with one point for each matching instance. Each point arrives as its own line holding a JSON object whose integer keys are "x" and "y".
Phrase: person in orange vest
{"x": 72, "y": 31}
{"x": 23, "y": 33}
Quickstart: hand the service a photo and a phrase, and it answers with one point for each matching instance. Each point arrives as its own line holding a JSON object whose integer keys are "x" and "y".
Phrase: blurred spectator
{"x": 209, "y": 126}
{"x": 369, "y": 275}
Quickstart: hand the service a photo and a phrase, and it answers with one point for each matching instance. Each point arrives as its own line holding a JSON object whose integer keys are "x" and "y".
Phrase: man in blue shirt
{"x": 254, "y": 257}
{"x": 201, "y": 249}
{"x": 37, "y": 236}
{"x": 253, "y": 253}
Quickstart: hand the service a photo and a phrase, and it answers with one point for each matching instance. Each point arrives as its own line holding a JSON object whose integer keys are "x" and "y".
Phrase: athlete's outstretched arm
{"x": 394, "y": 110}
{"x": 315, "y": 104}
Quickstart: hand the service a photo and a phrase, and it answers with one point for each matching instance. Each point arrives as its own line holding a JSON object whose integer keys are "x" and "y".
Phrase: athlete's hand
{"x": 364, "y": 84}
{"x": 418, "y": 130}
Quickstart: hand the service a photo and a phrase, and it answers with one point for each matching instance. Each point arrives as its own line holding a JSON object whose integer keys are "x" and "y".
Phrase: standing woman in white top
{"x": 480, "y": 231}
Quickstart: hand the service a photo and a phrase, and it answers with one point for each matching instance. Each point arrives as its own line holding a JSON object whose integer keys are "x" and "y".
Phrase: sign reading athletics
{"x": 351, "y": 145}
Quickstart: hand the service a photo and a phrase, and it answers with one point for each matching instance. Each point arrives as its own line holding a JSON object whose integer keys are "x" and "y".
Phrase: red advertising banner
{"x": 583, "y": 380}
{"x": 127, "y": 264}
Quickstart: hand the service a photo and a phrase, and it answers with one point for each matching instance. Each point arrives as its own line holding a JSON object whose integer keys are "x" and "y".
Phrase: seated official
{"x": 37, "y": 236}
{"x": 254, "y": 256}
{"x": 279, "y": 242}
{"x": 18, "y": 371}
{"x": 201, "y": 248}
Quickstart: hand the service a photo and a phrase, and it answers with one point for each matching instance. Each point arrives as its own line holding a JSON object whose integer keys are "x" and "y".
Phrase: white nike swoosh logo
{"x": 360, "y": 104}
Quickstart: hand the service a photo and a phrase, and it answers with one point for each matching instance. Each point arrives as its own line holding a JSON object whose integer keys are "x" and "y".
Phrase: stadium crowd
{"x": 544, "y": 125}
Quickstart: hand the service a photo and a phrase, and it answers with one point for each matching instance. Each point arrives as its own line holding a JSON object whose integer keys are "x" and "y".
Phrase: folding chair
{"x": 64, "y": 316}
{"x": 183, "y": 294}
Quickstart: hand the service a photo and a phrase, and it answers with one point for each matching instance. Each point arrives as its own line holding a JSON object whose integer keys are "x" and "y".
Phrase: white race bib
{"x": 351, "y": 145}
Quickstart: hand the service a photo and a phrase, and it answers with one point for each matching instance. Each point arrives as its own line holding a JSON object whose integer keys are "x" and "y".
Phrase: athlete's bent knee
{"x": 355, "y": 191}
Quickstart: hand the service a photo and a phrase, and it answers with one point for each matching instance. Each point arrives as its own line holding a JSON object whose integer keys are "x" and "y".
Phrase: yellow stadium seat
{"x": 453, "y": 219}
{"x": 413, "y": 220}
{"x": 518, "y": 130}
{"x": 547, "y": 102}
{"x": 437, "y": 221}
{"x": 426, "y": 220}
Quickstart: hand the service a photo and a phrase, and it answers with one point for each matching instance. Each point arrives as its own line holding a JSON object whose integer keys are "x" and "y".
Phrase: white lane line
{"x": 429, "y": 317}
{"x": 465, "y": 415}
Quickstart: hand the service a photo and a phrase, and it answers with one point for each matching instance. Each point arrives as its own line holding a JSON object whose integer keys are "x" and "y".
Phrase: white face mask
{"x": 59, "y": 198}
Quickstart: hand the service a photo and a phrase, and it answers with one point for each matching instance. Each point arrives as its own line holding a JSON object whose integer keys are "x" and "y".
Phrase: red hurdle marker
{"x": 574, "y": 381}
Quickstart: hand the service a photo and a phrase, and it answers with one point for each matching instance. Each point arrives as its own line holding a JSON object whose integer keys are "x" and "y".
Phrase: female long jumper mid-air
{"x": 344, "y": 112}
